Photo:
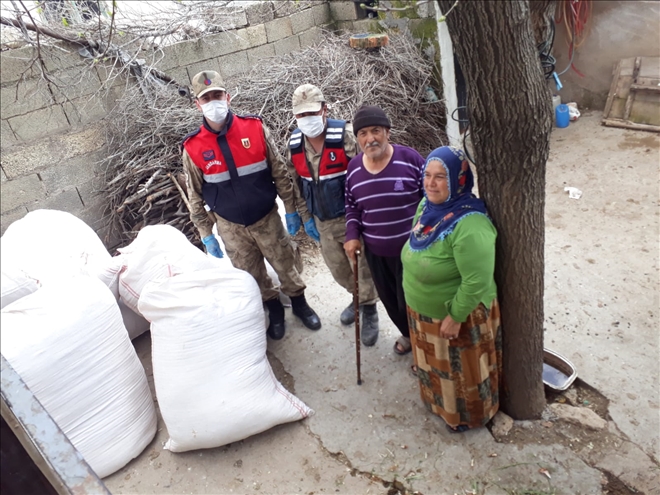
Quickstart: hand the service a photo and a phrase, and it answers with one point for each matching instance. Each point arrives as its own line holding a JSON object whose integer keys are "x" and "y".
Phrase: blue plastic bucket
{"x": 561, "y": 115}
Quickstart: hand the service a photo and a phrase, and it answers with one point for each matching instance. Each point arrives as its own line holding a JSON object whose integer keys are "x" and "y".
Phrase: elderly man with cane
{"x": 383, "y": 189}
{"x": 319, "y": 151}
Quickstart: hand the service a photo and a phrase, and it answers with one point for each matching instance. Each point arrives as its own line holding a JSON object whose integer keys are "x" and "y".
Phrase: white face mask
{"x": 215, "y": 110}
{"x": 311, "y": 126}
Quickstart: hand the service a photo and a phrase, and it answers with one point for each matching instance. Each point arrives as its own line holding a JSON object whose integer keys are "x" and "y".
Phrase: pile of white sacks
{"x": 70, "y": 310}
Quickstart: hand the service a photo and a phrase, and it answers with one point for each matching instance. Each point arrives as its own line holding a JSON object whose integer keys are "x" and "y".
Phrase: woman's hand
{"x": 449, "y": 328}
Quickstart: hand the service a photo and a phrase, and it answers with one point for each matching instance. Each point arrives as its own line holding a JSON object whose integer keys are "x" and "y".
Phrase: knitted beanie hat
{"x": 368, "y": 116}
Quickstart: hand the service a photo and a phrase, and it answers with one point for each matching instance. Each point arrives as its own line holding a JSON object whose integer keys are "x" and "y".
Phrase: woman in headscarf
{"x": 449, "y": 286}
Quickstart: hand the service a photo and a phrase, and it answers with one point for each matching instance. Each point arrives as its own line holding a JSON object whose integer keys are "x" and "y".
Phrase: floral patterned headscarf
{"x": 437, "y": 221}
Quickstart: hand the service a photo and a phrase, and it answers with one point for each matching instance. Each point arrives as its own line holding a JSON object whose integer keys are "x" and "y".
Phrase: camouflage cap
{"x": 307, "y": 98}
{"x": 206, "y": 81}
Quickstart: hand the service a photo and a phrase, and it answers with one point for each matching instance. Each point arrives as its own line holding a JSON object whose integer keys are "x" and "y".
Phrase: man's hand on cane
{"x": 352, "y": 247}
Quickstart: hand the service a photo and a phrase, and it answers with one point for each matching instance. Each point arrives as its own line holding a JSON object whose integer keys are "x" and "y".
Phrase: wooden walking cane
{"x": 356, "y": 305}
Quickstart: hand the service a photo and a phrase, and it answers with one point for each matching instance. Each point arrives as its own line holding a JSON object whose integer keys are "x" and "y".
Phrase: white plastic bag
{"x": 573, "y": 192}
{"x": 68, "y": 344}
{"x": 573, "y": 112}
{"x": 14, "y": 285}
{"x": 213, "y": 380}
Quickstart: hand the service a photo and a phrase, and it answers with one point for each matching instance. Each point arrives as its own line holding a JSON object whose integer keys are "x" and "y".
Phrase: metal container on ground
{"x": 558, "y": 372}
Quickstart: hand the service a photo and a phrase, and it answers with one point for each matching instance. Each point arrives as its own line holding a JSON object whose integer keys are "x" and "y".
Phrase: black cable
{"x": 467, "y": 130}
{"x": 465, "y": 149}
{"x": 461, "y": 121}
{"x": 548, "y": 62}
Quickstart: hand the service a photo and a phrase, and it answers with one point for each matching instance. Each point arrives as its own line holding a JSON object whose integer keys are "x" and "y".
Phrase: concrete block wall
{"x": 57, "y": 172}
{"x": 52, "y": 137}
{"x": 271, "y": 28}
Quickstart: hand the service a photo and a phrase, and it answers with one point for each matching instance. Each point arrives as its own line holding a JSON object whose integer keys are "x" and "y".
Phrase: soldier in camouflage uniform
{"x": 318, "y": 154}
{"x": 234, "y": 170}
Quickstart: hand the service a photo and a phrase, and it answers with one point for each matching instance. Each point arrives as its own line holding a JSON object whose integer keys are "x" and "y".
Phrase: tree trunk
{"x": 542, "y": 14}
{"x": 509, "y": 109}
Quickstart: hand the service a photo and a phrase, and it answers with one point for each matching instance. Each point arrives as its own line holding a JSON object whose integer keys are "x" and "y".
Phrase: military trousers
{"x": 333, "y": 236}
{"x": 267, "y": 238}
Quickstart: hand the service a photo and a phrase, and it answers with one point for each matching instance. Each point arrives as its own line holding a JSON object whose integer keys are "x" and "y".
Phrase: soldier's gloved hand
{"x": 292, "y": 223}
{"x": 310, "y": 228}
{"x": 212, "y": 246}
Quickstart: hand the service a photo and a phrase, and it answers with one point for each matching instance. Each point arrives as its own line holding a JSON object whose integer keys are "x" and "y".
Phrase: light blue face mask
{"x": 311, "y": 126}
{"x": 215, "y": 110}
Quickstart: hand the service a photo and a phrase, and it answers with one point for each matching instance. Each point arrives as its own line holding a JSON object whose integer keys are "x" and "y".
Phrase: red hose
{"x": 575, "y": 14}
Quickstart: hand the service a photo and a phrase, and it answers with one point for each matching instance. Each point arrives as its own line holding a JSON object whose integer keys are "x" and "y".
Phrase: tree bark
{"x": 509, "y": 110}
{"x": 542, "y": 15}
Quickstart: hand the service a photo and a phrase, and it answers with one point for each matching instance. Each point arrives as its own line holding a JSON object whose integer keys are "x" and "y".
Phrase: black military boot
{"x": 276, "y": 327}
{"x": 347, "y": 316}
{"x": 369, "y": 330}
{"x": 307, "y": 315}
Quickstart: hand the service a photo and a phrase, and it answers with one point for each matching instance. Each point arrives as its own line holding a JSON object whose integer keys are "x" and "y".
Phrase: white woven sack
{"x": 213, "y": 380}
{"x": 135, "y": 324}
{"x": 15, "y": 284}
{"x": 158, "y": 252}
{"x": 111, "y": 271}
{"x": 68, "y": 344}
{"x": 72, "y": 247}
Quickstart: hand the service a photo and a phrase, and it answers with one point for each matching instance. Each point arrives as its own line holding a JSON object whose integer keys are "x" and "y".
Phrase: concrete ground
{"x": 601, "y": 312}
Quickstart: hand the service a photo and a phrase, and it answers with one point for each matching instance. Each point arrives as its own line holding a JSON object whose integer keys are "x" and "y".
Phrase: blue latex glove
{"x": 310, "y": 228}
{"x": 292, "y": 223}
{"x": 212, "y": 246}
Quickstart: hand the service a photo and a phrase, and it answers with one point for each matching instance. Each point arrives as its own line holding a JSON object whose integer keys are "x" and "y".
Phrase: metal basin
{"x": 558, "y": 372}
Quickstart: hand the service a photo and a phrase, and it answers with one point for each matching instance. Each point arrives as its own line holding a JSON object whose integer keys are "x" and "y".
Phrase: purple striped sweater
{"x": 380, "y": 207}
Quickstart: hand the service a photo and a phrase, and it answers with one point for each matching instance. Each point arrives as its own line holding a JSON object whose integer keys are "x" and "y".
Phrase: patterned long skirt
{"x": 459, "y": 379}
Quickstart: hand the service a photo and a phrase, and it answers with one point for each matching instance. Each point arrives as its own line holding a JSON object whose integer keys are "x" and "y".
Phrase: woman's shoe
{"x": 402, "y": 346}
{"x": 457, "y": 429}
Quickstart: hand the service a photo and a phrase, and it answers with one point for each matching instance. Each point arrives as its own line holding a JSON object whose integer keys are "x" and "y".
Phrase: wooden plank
{"x": 643, "y": 87}
{"x": 612, "y": 93}
{"x": 630, "y": 125}
{"x": 648, "y": 81}
{"x": 631, "y": 94}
